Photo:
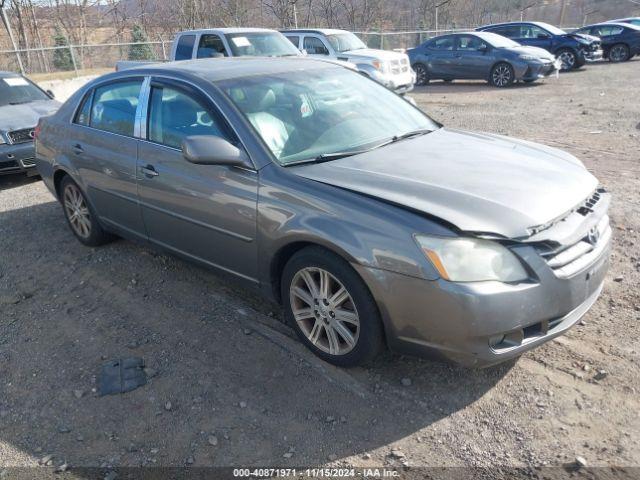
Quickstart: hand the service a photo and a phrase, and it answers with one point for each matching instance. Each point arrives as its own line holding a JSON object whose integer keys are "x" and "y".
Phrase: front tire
{"x": 502, "y": 75}
{"x": 80, "y": 216}
{"x": 422, "y": 74}
{"x": 619, "y": 53}
{"x": 568, "y": 58}
{"x": 330, "y": 308}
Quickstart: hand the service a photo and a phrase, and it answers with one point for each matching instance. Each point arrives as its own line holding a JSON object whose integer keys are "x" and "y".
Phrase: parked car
{"x": 224, "y": 42}
{"x": 573, "y": 49}
{"x": 631, "y": 20}
{"x": 620, "y": 41}
{"x": 391, "y": 69}
{"x": 370, "y": 222}
{"x": 22, "y": 103}
{"x": 480, "y": 56}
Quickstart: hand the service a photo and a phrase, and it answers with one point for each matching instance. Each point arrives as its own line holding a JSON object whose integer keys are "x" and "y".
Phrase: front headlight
{"x": 379, "y": 65}
{"x": 471, "y": 259}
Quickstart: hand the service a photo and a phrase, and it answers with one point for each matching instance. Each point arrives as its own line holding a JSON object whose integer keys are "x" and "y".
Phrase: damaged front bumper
{"x": 479, "y": 324}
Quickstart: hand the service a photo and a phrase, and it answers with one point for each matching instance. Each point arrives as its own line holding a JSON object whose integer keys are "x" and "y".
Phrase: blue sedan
{"x": 620, "y": 41}
{"x": 480, "y": 56}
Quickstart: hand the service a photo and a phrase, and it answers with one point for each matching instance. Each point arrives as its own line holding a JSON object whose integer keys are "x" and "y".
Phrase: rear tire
{"x": 330, "y": 308}
{"x": 502, "y": 75}
{"x": 422, "y": 74}
{"x": 80, "y": 216}
{"x": 619, "y": 53}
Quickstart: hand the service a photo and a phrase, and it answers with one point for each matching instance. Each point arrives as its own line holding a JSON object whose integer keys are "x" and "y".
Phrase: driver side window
{"x": 315, "y": 46}
{"x": 175, "y": 115}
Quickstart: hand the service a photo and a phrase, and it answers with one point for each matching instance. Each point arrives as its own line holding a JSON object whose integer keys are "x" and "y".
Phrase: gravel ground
{"x": 231, "y": 386}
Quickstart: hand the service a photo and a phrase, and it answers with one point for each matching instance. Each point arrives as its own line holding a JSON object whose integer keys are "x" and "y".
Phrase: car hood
{"x": 26, "y": 115}
{"x": 371, "y": 54}
{"x": 537, "y": 52}
{"x": 584, "y": 38}
{"x": 480, "y": 183}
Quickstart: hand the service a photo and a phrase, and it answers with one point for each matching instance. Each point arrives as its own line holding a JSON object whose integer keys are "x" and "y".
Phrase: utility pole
{"x": 7, "y": 26}
{"x": 563, "y": 8}
{"x": 437, "y": 7}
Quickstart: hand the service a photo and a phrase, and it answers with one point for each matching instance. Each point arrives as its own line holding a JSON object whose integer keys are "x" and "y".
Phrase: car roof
{"x": 4, "y": 74}
{"x": 215, "y": 69}
{"x": 619, "y": 24}
{"x": 323, "y": 31}
{"x": 226, "y": 30}
{"x": 539, "y": 24}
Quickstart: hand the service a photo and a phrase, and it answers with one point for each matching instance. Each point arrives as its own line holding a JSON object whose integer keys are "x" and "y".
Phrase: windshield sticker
{"x": 241, "y": 41}
{"x": 16, "y": 82}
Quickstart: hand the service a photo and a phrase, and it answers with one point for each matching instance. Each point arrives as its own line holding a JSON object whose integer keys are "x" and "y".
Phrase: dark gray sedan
{"x": 480, "y": 56}
{"x": 22, "y": 103}
{"x": 371, "y": 223}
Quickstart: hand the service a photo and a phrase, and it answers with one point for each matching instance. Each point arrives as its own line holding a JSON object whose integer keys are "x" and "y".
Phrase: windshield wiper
{"x": 327, "y": 157}
{"x": 20, "y": 103}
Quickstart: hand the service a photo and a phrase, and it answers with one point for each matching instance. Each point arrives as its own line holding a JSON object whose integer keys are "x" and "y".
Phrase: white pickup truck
{"x": 392, "y": 69}
{"x": 224, "y": 42}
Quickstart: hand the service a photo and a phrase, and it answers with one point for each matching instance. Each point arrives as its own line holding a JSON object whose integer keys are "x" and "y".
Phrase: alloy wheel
{"x": 421, "y": 75}
{"x": 501, "y": 75}
{"x": 618, "y": 53}
{"x": 324, "y": 310}
{"x": 568, "y": 60}
{"x": 77, "y": 211}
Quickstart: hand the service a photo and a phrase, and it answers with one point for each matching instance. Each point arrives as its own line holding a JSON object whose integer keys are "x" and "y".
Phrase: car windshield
{"x": 304, "y": 115}
{"x": 17, "y": 90}
{"x": 343, "y": 42}
{"x": 498, "y": 41}
{"x": 551, "y": 29}
{"x": 261, "y": 44}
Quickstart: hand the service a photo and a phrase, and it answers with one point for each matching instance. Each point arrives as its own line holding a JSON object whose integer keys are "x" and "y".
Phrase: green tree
{"x": 61, "y": 56}
{"x": 143, "y": 50}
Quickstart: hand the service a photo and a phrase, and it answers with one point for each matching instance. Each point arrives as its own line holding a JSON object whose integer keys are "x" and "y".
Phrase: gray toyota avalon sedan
{"x": 372, "y": 224}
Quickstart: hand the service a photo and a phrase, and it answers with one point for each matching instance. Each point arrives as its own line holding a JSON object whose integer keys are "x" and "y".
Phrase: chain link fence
{"x": 80, "y": 60}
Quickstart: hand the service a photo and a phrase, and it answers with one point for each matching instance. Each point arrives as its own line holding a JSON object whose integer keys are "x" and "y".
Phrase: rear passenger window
{"x": 210, "y": 46}
{"x": 184, "y": 49}
{"x": 509, "y": 31}
{"x": 443, "y": 44}
{"x": 315, "y": 46}
{"x": 114, "y": 107}
{"x": 174, "y": 115}
{"x": 294, "y": 40}
{"x": 84, "y": 112}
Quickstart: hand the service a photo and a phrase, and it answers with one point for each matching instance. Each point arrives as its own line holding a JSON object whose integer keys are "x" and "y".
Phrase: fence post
{"x": 5, "y": 21}
{"x": 164, "y": 51}
{"x": 73, "y": 60}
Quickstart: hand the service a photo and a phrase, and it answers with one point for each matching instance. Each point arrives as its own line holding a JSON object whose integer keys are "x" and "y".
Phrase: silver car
{"x": 372, "y": 224}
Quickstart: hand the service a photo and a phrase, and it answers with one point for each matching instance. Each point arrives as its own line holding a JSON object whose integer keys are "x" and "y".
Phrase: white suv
{"x": 392, "y": 69}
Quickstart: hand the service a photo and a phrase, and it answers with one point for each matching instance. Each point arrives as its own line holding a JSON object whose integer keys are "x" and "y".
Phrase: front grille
{"x": 8, "y": 165}
{"x": 567, "y": 261}
{"x": 21, "y": 136}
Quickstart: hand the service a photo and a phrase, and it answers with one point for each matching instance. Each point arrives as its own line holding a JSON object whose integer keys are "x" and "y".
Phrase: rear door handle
{"x": 77, "y": 149}
{"x": 149, "y": 171}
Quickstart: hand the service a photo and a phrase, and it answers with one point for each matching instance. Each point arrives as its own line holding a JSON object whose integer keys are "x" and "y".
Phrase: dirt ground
{"x": 231, "y": 386}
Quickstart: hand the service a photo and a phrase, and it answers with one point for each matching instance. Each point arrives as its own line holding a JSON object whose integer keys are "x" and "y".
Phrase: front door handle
{"x": 149, "y": 171}
{"x": 77, "y": 149}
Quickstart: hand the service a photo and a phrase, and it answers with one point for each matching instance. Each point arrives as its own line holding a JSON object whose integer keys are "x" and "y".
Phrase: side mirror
{"x": 51, "y": 94}
{"x": 213, "y": 150}
{"x": 543, "y": 36}
{"x": 483, "y": 48}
